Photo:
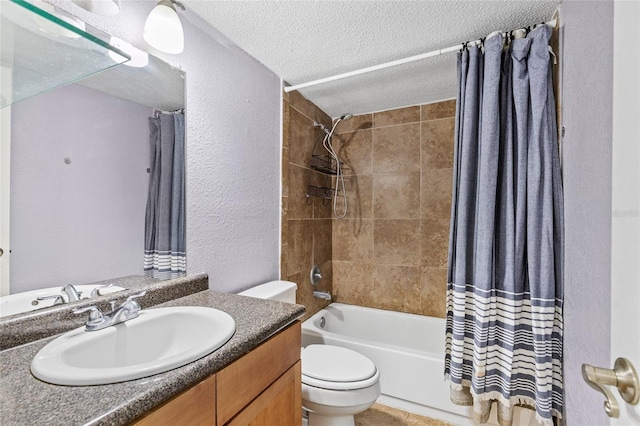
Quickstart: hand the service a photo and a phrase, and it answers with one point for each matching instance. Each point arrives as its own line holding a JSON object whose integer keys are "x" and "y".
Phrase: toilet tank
{"x": 282, "y": 291}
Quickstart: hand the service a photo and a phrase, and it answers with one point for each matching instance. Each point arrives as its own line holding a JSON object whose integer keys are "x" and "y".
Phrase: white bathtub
{"x": 409, "y": 351}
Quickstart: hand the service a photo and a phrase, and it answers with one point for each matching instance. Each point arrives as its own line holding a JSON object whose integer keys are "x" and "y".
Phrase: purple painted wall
{"x": 83, "y": 221}
{"x": 233, "y": 121}
{"x": 587, "y": 114}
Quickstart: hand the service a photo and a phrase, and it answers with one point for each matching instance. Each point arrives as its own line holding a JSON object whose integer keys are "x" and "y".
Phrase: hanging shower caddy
{"x": 324, "y": 164}
{"x": 320, "y": 192}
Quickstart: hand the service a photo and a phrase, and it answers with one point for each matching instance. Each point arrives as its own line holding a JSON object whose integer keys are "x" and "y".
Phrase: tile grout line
{"x": 420, "y": 208}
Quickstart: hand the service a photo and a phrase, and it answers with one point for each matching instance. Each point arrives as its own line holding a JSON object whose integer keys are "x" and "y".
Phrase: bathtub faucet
{"x": 322, "y": 295}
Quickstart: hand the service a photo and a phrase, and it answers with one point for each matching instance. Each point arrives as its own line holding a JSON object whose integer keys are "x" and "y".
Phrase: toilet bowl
{"x": 337, "y": 383}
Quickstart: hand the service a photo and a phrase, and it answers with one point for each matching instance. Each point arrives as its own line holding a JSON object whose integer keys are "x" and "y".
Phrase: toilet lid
{"x": 335, "y": 364}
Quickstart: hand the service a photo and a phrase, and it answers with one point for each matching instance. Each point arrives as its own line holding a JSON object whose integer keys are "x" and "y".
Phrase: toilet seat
{"x": 336, "y": 368}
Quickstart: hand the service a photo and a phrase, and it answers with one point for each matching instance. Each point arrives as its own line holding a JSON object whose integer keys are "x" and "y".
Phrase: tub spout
{"x": 322, "y": 295}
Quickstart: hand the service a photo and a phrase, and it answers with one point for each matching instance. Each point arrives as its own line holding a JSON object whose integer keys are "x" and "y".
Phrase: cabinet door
{"x": 244, "y": 380}
{"x": 280, "y": 404}
{"x": 194, "y": 407}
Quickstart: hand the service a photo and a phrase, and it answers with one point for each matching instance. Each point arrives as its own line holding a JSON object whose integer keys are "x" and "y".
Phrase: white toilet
{"x": 337, "y": 383}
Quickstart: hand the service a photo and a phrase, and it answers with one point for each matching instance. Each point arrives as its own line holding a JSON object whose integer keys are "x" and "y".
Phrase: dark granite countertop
{"x": 34, "y": 325}
{"x": 27, "y": 400}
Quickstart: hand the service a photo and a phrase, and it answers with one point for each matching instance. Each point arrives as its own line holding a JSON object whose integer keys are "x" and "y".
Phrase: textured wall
{"x": 587, "y": 117}
{"x": 233, "y": 164}
{"x": 306, "y": 221}
{"x": 233, "y": 148}
{"x": 390, "y": 251}
{"x": 84, "y": 221}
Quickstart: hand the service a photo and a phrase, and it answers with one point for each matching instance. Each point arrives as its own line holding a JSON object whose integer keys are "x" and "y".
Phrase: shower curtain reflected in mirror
{"x": 164, "y": 249}
{"x": 505, "y": 278}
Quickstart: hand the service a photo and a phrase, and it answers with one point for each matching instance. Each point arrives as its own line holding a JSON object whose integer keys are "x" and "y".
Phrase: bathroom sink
{"x": 157, "y": 341}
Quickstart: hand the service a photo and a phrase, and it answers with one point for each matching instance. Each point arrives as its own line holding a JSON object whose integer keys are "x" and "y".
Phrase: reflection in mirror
{"x": 38, "y": 44}
{"x": 164, "y": 237}
{"x": 47, "y": 297}
{"x": 81, "y": 163}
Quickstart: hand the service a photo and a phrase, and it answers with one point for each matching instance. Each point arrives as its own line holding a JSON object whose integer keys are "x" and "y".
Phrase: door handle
{"x": 623, "y": 376}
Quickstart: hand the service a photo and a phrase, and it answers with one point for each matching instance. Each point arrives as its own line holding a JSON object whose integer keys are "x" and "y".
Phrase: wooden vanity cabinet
{"x": 195, "y": 406}
{"x": 261, "y": 388}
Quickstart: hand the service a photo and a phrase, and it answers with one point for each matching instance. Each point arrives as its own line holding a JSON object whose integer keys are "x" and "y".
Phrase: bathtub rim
{"x": 309, "y": 326}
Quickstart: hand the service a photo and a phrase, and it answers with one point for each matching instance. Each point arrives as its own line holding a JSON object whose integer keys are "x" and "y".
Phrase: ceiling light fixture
{"x": 163, "y": 29}
{"x": 139, "y": 58}
{"x": 101, "y": 7}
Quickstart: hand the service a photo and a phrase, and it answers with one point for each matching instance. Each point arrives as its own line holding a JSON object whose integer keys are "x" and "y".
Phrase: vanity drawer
{"x": 245, "y": 379}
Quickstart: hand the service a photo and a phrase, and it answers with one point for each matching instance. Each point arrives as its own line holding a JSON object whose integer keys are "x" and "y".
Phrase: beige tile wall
{"x": 306, "y": 222}
{"x": 390, "y": 251}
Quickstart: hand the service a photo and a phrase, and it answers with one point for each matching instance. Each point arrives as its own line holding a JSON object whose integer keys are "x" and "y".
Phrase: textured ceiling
{"x": 307, "y": 40}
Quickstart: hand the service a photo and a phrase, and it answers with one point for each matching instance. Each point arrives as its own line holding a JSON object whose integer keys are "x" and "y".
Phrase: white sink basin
{"x": 157, "y": 341}
{"x": 27, "y": 301}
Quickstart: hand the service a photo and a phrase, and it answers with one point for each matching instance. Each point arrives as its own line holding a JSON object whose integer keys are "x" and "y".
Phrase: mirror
{"x": 80, "y": 156}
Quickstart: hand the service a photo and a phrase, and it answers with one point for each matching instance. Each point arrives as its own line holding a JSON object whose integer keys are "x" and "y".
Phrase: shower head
{"x": 338, "y": 120}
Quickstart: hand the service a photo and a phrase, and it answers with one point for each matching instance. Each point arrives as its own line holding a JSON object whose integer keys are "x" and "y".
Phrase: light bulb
{"x": 163, "y": 29}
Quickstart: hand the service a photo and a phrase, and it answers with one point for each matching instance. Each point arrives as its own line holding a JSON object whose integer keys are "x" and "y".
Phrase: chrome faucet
{"x": 73, "y": 295}
{"x": 322, "y": 295}
{"x": 130, "y": 309}
{"x": 315, "y": 276}
{"x": 68, "y": 290}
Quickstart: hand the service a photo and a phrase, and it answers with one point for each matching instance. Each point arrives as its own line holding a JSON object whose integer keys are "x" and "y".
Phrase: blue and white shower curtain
{"x": 164, "y": 245}
{"x": 505, "y": 278}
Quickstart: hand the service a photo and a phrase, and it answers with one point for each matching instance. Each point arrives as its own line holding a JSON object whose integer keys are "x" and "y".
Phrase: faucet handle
{"x": 96, "y": 291}
{"x": 95, "y": 315}
{"x": 59, "y": 299}
{"x": 131, "y": 304}
{"x": 315, "y": 275}
{"x": 136, "y": 295}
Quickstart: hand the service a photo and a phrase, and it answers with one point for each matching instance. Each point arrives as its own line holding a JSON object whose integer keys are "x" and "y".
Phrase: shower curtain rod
{"x": 552, "y": 23}
{"x": 157, "y": 112}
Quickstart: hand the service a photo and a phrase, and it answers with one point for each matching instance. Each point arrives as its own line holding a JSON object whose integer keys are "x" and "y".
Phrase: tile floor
{"x": 381, "y": 415}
